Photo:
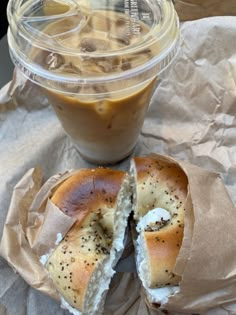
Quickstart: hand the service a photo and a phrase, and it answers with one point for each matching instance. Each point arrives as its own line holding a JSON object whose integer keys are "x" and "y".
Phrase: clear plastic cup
{"x": 97, "y": 62}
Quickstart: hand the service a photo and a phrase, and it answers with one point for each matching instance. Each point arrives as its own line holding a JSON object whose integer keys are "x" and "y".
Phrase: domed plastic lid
{"x": 82, "y": 40}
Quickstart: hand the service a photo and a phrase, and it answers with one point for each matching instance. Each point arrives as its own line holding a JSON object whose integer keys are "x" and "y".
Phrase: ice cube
{"x": 54, "y": 61}
{"x": 40, "y": 57}
{"x": 108, "y": 64}
{"x": 136, "y": 59}
{"x": 95, "y": 90}
{"x": 102, "y": 107}
{"x": 122, "y": 38}
{"x": 100, "y": 89}
{"x": 100, "y": 21}
{"x": 70, "y": 68}
{"x": 126, "y": 64}
{"x": 120, "y": 22}
{"x": 120, "y": 30}
{"x": 94, "y": 44}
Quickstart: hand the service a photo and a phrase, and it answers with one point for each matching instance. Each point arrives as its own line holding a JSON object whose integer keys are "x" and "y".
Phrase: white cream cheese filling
{"x": 44, "y": 258}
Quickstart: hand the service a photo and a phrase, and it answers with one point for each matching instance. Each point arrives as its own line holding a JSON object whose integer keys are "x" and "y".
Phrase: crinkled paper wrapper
{"x": 192, "y": 117}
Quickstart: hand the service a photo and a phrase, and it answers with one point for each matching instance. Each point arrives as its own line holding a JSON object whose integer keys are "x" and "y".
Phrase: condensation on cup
{"x": 97, "y": 62}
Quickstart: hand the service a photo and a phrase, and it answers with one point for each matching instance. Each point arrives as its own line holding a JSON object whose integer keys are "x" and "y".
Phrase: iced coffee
{"x": 98, "y": 67}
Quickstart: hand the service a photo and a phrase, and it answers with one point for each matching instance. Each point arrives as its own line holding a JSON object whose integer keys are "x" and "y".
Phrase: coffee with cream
{"x": 97, "y": 62}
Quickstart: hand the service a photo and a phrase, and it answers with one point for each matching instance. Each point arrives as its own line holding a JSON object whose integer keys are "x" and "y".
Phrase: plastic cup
{"x": 97, "y": 62}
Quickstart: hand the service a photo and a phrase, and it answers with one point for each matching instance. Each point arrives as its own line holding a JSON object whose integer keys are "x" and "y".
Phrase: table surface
{"x": 6, "y": 65}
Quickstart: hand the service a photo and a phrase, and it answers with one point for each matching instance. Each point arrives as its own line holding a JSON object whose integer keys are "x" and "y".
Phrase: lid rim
{"x": 40, "y": 43}
{"x": 170, "y": 33}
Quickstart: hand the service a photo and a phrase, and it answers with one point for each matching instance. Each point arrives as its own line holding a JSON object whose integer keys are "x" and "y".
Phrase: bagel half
{"x": 159, "y": 194}
{"x": 82, "y": 265}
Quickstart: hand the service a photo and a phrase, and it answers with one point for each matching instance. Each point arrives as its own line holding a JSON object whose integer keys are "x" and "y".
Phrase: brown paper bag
{"x": 197, "y": 9}
{"x": 2, "y": 310}
{"x": 206, "y": 261}
{"x": 209, "y": 273}
{"x": 27, "y": 229}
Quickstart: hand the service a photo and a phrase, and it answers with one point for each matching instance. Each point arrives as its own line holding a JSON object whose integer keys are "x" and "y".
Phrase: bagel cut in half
{"x": 159, "y": 194}
{"x": 82, "y": 265}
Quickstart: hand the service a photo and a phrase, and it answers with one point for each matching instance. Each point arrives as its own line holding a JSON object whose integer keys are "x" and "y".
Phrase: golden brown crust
{"x": 161, "y": 184}
{"x": 85, "y": 190}
{"x": 90, "y": 196}
{"x": 73, "y": 262}
{"x": 163, "y": 248}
